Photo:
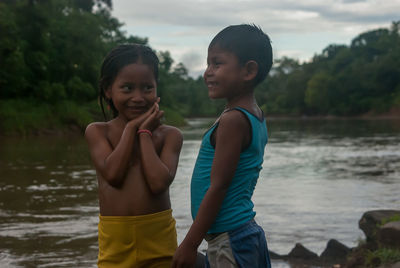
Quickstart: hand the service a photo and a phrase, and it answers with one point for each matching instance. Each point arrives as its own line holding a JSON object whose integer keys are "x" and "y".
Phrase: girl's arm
{"x": 160, "y": 170}
{"x": 112, "y": 164}
{"x": 231, "y": 134}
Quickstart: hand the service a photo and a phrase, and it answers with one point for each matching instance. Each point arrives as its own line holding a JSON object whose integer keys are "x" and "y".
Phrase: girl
{"x": 136, "y": 158}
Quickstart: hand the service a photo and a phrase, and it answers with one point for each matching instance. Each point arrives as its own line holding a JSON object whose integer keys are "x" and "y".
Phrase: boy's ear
{"x": 251, "y": 70}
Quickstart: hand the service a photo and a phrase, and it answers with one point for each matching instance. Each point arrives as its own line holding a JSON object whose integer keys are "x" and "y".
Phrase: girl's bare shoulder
{"x": 97, "y": 129}
{"x": 166, "y": 130}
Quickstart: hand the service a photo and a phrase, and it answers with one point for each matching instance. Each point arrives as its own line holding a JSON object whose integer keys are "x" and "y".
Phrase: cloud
{"x": 185, "y": 27}
{"x": 204, "y": 16}
{"x": 192, "y": 60}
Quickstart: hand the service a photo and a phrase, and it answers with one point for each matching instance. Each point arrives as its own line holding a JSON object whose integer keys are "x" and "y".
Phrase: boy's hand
{"x": 153, "y": 120}
{"x": 185, "y": 257}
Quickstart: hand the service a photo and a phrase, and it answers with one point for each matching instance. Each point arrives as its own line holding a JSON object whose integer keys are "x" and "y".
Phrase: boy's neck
{"x": 245, "y": 100}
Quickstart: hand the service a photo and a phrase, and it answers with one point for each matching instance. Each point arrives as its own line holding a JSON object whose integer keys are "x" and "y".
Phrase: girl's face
{"x": 134, "y": 90}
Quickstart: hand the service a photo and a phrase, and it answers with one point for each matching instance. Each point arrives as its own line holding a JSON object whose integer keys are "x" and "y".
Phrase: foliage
{"x": 50, "y": 56}
{"x": 29, "y": 116}
{"x": 51, "y": 52}
{"x": 390, "y": 219}
{"x": 382, "y": 256}
{"x": 342, "y": 80}
{"x": 172, "y": 117}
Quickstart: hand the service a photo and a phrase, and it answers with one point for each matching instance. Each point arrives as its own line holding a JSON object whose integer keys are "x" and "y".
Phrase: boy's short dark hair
{"x": 247, "y": 42}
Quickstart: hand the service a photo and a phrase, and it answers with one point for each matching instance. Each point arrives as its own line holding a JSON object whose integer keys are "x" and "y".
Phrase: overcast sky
{"x": 298, "y": 28}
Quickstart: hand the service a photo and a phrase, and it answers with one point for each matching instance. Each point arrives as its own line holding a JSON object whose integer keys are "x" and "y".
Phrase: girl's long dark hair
{"x": 118, "y": 58}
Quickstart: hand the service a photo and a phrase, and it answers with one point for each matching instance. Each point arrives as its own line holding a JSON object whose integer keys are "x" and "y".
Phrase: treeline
{"x": 363, "y": 77}
{"x": 51, "y": 52}
{"x": 344, "y": 80}
{"x": 50, "y": 56}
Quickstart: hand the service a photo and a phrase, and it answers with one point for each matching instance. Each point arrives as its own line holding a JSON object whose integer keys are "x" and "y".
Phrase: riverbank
{"x": 32, "y": 118}
{"x": 393, "y": 113}
{"x": 380, "y": 248}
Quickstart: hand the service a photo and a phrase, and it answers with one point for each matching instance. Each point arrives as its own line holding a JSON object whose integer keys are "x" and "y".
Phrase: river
{"x": 318, "y": 178}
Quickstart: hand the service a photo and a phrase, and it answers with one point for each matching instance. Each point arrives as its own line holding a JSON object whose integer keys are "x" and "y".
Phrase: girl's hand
{"x": 139, "y": 120}
{"x": 153, "y": 120}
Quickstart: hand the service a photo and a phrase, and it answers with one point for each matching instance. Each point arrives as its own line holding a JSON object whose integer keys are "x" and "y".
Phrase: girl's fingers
{"x": 160, "y": 114}
{"x": 153, "y": 108}
{"x": 150, "y": 111}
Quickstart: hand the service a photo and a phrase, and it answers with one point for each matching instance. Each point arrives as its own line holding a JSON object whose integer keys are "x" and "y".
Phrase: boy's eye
{"x": 216, "y": 63}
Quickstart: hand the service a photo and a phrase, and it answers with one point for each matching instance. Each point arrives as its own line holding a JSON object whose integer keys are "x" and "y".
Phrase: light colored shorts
{"x": 137, "y": 241}
{"x": 243, "y": 247}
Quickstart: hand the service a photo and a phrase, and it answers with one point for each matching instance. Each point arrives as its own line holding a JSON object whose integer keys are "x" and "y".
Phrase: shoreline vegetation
{"x": 27, "y": 118}
{"x": 51, "y": 53}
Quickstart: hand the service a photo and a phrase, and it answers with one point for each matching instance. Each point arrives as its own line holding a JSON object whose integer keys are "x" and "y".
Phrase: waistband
{"x": 250, "y": 223}
{"x": 137, "y": 219}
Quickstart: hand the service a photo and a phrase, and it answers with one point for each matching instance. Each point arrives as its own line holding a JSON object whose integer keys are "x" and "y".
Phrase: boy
{"x": 231, "y": 155}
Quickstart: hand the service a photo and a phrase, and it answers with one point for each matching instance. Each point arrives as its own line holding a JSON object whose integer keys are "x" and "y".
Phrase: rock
{"x": 394, "y": 265}
{"x": 335, "y": 251}
{"x": 371, "y": 219}
{"x": 388, "y": 235}
{"x": 276, "y": 256}
{"x": 300, "y": 252}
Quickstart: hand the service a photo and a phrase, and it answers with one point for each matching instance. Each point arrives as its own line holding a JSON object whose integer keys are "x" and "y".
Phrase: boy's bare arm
{"x": 111, "y": 163}
{"x": 231, "y": 134}
{"x": 160, "y": 170}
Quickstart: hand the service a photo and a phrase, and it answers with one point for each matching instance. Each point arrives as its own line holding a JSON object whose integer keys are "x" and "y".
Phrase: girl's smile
{"x": 134, "y": 90}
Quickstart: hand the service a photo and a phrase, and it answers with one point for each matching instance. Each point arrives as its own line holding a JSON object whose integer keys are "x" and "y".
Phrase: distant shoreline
{"x": 74, "y": 130}
{"x": 332, "y": 117}
{"x": 326, "y": 117}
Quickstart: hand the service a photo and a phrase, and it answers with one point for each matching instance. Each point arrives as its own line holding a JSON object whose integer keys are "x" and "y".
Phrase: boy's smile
{"x": 223, "y": 75}
{"x": 134, "y": 90}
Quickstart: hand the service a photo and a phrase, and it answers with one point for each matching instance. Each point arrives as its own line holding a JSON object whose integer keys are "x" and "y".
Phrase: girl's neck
{"x": 120, "y": 122}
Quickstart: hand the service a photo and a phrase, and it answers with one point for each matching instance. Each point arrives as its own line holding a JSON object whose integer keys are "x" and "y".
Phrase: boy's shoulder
{"x": 233, "y": 118}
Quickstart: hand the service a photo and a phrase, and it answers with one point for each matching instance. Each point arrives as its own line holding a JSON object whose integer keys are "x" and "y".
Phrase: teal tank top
{"x": 237, "y": 207}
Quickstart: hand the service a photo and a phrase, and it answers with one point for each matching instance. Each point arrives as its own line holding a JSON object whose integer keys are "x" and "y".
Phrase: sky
{"x": 298, "y": 29}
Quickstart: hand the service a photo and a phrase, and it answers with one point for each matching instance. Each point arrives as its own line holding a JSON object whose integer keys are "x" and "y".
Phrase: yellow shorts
{"x": 137, "y": 241}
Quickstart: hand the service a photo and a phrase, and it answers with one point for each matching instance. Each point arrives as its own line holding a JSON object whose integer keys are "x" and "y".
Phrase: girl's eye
{"x": 148, "y": 88}
{"x": 126, "y": 88}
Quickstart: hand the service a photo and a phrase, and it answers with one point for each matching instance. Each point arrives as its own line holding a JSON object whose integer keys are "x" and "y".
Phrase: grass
{"x": 25, "y": 117}
{"x": 382, "y": 256}
{"x": 172, "y": 117}
{"x": 28, "y": 116}
{"x": 390, "y": 219}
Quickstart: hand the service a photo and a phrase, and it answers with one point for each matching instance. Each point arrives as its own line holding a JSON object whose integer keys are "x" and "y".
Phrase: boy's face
{"x": 134, "y": 90}
{"x": 224, "y": 74}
